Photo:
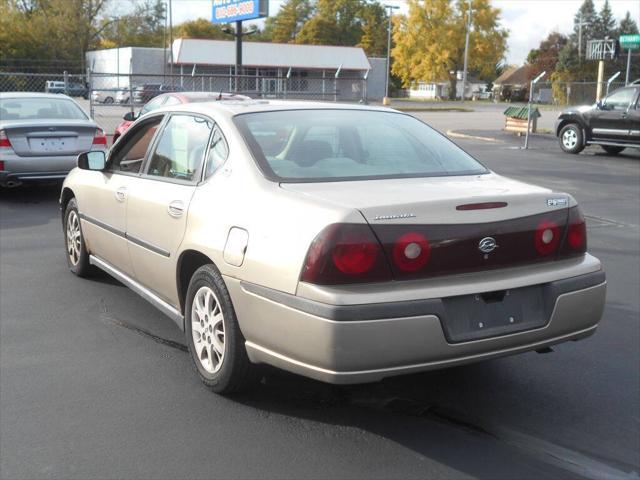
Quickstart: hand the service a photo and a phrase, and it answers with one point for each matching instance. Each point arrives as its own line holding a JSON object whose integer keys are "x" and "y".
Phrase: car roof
{"x": 32, "y": 95}
{"x": 232, "y": 108}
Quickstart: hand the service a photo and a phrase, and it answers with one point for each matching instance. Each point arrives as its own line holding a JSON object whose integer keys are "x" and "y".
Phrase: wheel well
{"x": 188, "y": 263}
{"x": 67, "y": 194}
{"x": 569, "y": 121}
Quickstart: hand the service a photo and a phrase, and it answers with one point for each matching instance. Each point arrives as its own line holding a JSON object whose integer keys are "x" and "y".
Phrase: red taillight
{"x": 4, "y": 140}
{"x": 411, "y": 252}
{"x": 100, "y": 138}
{"x": 1, "y": 166}
{"x": 576, "y": 241}
{"x": 547, "y": 237}
{"x": 345, "y": 253}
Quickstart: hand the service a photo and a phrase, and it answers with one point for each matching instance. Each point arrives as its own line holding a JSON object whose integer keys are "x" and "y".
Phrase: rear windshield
{"x": 330, "y": 145}
{"x": 40, "y": 109}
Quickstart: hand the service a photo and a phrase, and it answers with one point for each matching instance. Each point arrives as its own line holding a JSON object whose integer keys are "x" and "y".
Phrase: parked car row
{"x": 72, "y": 89}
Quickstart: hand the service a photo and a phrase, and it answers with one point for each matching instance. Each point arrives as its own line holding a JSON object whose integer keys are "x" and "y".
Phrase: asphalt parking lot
{"x": 95, "y": 383}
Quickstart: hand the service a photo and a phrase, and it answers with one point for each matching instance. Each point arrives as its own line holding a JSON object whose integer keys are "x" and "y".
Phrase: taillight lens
{"x": 4, "y": 140}
{"x": 345, "y": 253}
{"x": 100, "y": 138}
{"x": 576, "y": 240}
{"x": 547, "y": 237}
{"x": 1, "y": 166}
{"x": 411, "y": 252}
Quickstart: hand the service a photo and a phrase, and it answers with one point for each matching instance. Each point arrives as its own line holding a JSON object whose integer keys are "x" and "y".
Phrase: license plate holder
{"x": 492, "y": 314}
{"x": 49, "y": 144}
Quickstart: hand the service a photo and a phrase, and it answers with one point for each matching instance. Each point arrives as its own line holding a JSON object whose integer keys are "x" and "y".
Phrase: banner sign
{"x": 630, "y": 41}
{"x": 227, "y": 11}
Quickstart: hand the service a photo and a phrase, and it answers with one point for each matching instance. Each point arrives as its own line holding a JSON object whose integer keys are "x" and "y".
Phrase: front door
{"x": 103, "y": 215}
{"x": 158, "y": 205}
{"x": 609, "y": 122}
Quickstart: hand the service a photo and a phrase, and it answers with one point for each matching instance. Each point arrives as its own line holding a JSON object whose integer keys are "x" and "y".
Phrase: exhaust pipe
{"x": 11, "y": 184}
{"x": 544, "y": 350}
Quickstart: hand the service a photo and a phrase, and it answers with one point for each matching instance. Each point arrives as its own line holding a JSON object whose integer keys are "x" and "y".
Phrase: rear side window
{"x": 132, "y": 149}
{"x": 181, "y": 148}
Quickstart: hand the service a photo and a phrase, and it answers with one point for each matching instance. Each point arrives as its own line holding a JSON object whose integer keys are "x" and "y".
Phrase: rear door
{"x": 610, "y": 121}
{"x": 158, "y": 204}
{"x": 103, "y": 206}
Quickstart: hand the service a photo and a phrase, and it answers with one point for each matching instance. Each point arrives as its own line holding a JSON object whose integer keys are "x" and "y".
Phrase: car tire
{"x": 108, "y": 100}
{"x": 571, "y": 139}
{"x": 77, "y": 255}
{"x": 612, "y": 150}
{"x": 216, "y": 344}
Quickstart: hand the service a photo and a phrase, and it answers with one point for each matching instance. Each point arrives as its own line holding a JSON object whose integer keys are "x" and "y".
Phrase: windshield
{"x": 40, "y": 108}
{"x": 330, "y": 145}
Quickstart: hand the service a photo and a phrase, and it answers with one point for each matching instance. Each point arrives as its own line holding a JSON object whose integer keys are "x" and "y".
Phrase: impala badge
{"x": 557, "y": 202}
{"x": 487, "y": 245}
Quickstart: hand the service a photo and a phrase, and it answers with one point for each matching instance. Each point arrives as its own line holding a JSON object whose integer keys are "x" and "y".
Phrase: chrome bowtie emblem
{"x": 487, "y": 245}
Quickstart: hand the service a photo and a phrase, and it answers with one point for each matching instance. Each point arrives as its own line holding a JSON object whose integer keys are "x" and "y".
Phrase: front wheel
{"x": 77, "y": 255}
{"x": 571, "y": 139}
{"x": 213, "y": 334}
{"x": 108, "y": 100}
{"x": 611, "y": 150}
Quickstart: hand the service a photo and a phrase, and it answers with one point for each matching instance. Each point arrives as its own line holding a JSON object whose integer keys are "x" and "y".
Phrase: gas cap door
{"x": 236, "y": 246}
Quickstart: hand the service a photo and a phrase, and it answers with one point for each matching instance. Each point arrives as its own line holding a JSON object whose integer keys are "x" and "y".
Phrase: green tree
{"x": 287, "y": 23}
{"x": 605, "y": 23}
{"x": 627, "y": 26}
{"x": 374, "y": 29}
{"x": 430, "y": 41}
{"x": 199, "y": 28}
{"x": 144, "y": 27}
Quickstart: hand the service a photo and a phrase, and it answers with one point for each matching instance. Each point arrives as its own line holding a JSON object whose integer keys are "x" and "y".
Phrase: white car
{"x": 341, "y": 242}
{"x": 107, "y": 95}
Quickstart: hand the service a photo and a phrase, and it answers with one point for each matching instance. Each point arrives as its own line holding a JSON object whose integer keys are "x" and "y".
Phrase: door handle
{"x": 176, "y": 208}
{"x": 121, "y": 194}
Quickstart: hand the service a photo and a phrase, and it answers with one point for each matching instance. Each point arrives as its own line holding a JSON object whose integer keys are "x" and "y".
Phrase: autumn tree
{"x": 430, "y": 40}
{"x": 545, "y": 57}
{"x": 287, "y": 23}
{"x": 143, "y": 27}
{"x": 346, "y": 22}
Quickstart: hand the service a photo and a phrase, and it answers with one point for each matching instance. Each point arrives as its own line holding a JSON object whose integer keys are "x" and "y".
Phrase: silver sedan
{"x": 41, "y": 136}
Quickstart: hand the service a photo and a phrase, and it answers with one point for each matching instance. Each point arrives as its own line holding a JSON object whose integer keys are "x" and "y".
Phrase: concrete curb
{"x": 454, "y": 134}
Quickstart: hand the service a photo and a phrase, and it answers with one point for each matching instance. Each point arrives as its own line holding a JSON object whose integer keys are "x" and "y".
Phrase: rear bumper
{"x": 345, "y": 344}
{"x": 8, "y": 178}
{"x": 25, "y": 169}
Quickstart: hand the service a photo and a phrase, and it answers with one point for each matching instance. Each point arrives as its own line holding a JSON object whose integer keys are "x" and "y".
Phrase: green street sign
{"x": 630, "y": 41}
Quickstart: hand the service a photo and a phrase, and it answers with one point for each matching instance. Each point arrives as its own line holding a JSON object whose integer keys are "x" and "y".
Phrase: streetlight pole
{"x": 466, "y": 55}
{"x": 386, "y": 100}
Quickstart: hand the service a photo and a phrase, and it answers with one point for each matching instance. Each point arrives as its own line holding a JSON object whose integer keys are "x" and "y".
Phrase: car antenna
{"x": 220, "y": 95}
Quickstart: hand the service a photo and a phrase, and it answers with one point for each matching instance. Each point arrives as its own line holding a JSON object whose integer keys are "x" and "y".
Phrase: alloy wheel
{"x": 570, "y": 139}
{"x": 207, "y": 330}
{"x": 74, "y": 237}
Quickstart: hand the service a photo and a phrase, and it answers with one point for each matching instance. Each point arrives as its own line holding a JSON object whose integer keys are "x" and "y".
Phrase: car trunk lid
{"x": 38, "y": 138}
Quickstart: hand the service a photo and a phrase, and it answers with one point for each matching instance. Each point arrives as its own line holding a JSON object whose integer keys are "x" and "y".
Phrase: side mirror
{"x": 130, "y": 117}
{"x": 94, "y": 160}
{"x": 600, "y": 105}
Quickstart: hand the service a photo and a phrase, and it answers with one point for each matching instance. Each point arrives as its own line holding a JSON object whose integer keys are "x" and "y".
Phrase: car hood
{"x": 579, "y": 109}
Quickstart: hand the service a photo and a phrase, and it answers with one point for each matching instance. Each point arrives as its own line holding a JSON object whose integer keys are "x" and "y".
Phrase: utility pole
{"x": 580, "y": 25}
{"x": 386, "y": 100}
{"x": 171, "y": 43}
{"x": 466, "y": 54}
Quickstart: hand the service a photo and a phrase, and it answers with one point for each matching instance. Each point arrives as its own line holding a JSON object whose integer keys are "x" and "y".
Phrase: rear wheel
{"x": 77, "y": 255}
{"x": 108, "y": 100}
{"x": 611, "y": 150}
{"x": 571, "y": 139}
{"x": 213, "y": 335}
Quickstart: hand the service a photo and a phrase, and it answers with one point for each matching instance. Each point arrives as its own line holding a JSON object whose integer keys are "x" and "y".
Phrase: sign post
{"x": 230, "y": 11}
{"x": 629, "y": 42}
{"x": 533, "y": 83}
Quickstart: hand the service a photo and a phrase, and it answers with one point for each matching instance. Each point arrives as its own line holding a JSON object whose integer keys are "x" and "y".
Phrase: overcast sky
{"x": 528, "y": 21}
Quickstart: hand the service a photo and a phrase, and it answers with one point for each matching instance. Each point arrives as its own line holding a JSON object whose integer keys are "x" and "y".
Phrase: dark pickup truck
{"x": 613, "y": 123}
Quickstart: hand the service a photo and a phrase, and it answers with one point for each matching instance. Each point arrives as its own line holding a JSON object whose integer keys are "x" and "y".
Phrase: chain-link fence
{"x": 557, "y": 93}
{"x": 112, "y": 95}
{"x": 72, "y": 85}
